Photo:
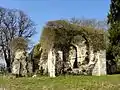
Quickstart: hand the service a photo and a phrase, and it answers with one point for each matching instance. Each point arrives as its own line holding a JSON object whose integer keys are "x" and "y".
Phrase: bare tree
{"x": 99, "y": 24}
{"x": 13, "y": 23}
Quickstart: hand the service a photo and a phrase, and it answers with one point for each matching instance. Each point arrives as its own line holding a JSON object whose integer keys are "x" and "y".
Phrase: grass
{"x": 109, "y": 82}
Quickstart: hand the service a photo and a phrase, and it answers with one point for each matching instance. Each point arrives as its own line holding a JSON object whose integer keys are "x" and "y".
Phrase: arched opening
{"x": 73, "y": 56}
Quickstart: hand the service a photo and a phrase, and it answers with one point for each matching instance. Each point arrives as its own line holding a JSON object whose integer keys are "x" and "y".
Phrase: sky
{"x": 42, "y": 11}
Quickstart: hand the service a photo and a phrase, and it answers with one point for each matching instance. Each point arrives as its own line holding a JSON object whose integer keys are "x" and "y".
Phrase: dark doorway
{"x": 75, "y": 64}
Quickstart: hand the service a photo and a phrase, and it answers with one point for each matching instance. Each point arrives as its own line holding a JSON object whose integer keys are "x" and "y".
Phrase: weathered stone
{"x": 19, "y": 63}
{"x": 72, "y": 56}
{"x": 81, "y": 59}
{"x": 23, "y": 69}
{"x": 100, "y": 66}
{"x": 43, "y": 65}
{"x": 51, "y": 63}
{"x": 59, "y": 63}
{"x": 29, "y": 68}
{"x": 16, "y": 67}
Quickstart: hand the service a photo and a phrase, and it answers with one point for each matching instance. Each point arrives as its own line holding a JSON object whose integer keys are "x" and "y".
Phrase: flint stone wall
{"x": 100, "y": 66}
{"x": 43, "y": 64}
{"x": 19, "y": 64}
{"x": 51, "y": 63}
{"x": 87, "y": 61}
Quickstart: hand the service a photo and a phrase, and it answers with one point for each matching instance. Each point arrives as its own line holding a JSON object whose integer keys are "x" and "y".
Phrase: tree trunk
{"x": 7, "y": 60}
{"x": 8, "y": 65}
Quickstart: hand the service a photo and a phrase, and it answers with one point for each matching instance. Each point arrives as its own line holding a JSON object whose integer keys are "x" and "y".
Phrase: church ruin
{"x": 78, "y": 61}
{"x": 79, "y": 57}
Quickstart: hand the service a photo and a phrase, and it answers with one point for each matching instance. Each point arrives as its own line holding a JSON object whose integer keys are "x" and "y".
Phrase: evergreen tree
{"x": 113, "y": 51}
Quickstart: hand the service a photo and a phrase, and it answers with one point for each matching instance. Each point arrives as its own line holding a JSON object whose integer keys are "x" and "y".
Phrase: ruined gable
{"x": 75, "y": 50}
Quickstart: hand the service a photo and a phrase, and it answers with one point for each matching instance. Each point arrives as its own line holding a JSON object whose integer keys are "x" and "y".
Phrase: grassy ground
{"x": 111, "y": 82}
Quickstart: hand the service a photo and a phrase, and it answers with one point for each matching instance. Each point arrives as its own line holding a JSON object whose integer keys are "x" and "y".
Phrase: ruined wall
{"x": 100, "y": 66}
{"x": 72, "y": 56}
{"x": 93, "y": 63}
{"x": 59, "y": 62}
{"x": 19, "y": 64}
{"x": 51, "y": 63}
{"x": 81, "y": 60}
{"x": 43, "y": 64}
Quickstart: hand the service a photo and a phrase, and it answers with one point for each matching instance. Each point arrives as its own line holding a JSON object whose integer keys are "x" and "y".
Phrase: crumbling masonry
{"x": 80, "y": 59}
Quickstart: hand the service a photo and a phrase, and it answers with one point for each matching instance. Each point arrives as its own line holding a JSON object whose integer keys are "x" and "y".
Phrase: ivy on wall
{"x": 60, "y": 34}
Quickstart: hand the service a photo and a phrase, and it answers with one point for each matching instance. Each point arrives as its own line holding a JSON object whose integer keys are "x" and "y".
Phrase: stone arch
{"x": 73, "y": 56}
{"x": 83, "y": 48}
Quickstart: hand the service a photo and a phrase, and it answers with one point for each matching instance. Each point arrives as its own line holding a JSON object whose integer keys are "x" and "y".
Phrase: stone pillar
{"x": 100, "y": 66}
{"x": 102, "y": 63}
{"x": 78, "y": 54}
{"x": 16, "y": 67}
{"x": 51, "y": 63}
{"x": 19, "y": 63}
{"x": 43, "y": 67}
{"x": 72, "y": 56}
{"x": 23, "y": 67}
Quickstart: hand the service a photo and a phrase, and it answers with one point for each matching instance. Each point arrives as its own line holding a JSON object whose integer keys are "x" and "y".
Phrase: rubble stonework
{"x": 100, "y": 67}
{"x": 51, "y": 63}
{"x": 82, "y": 59}
{"x": 19, "y": 64}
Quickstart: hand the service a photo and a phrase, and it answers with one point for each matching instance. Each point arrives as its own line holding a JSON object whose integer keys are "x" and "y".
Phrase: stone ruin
{"x": 21, "y": 66}
{"x": 19, "y": 63}
{"x": 80, "y": 59}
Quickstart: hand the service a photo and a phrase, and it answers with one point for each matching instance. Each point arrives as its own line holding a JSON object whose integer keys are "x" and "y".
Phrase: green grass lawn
{"x": 110, "y": 82}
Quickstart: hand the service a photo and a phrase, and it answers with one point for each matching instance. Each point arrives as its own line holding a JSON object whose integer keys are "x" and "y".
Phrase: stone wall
{"x": 72, "y": 56}
{"x": 43, "y": 63}
{"x": 51, "y": 63}
{"x": 19, "y": 64}
{"x": 100, "y": 66}
{"x": 59, "y": 62}
{"x": 96, "y": 65}
{"x": 87, "y": 61}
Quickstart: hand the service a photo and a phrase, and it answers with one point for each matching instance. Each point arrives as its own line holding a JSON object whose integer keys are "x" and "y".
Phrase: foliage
{"x": 2, "y": 69}
{"x": 36, "y": 51}
{"x": 18, "y": 43}
{"x": 93, "y": 23}
{"x": 36, "y": 54}
{"x": 60, "y": 34}
{"x": 114, "y": 31}
{"x": 109, "y": 82}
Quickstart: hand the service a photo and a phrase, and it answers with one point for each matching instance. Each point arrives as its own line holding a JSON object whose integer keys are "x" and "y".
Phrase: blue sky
{"x": 42, "y": 11}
